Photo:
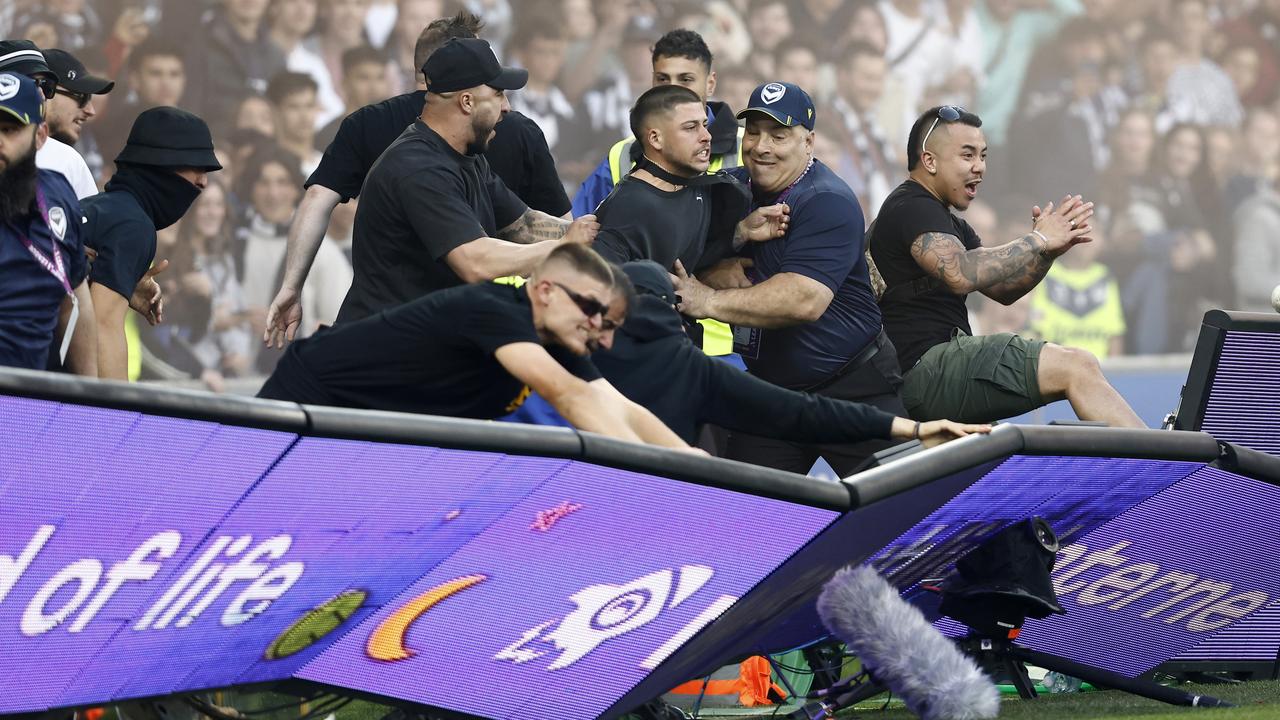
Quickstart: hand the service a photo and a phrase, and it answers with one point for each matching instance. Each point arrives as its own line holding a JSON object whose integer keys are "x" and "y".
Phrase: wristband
{"x": 1042, "y": 237}
{"x": 915, "y": 435}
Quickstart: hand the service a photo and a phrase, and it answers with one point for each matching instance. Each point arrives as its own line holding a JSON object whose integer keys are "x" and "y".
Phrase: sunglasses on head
{"x": 588, "y": 306}
{"x": 81, "y": 99}
{"x": 949, "y": 113}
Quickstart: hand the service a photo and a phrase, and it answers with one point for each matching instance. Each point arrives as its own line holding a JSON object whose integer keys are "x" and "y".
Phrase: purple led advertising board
{"x": 144, "y": 555}
{"x": 1244, "y": 393}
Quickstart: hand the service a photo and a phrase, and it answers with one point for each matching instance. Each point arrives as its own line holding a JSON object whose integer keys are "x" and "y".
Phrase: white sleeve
{"x": 61, "y": 157}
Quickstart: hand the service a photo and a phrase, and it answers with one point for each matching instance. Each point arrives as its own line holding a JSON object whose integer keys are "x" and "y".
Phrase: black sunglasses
{"x": 47, "y": 85}
{"x": 949, "y": 113}
{"x": 81, "y": 99}
{"x": 588, "y": 306}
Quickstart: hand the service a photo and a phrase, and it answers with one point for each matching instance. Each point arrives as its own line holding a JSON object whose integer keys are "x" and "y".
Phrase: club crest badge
{"x": 58, "y": 222}
{"x": 772, "y": 93}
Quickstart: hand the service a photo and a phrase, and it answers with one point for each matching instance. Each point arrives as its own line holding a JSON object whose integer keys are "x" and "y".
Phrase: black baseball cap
{"x": 169, "y": 137}
{"x": 465, "y": 63}
{"x": 24, "y": 58}
{"x": 73, "y": 76}
{"x": 787, "y": 103}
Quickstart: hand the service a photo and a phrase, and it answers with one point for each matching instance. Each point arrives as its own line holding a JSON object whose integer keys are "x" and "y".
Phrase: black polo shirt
{"x": 434, "y": 355}
{"x": 421, "y": 200}
{"x": 518, "y": 152}
{"x": 641, "y": 222}
{"x": 30, "y": 295}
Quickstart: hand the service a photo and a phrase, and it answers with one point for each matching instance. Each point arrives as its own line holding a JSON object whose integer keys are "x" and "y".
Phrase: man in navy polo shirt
{"x": 42, "y": 258}
{"x": 802, "y": 308}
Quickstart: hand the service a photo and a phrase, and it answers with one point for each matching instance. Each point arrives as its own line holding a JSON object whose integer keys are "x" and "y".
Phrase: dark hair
{"x": 156, "y": 47}
{"x": 361, "y": 55}
{"x": 683, "y": 43}
{"x": 286, "y": 83}
{"x": 581, "y": 259}
{"x": 264, "y": 155}
{"x": 922, "y": 125}
{"x": 859, "y": 48}
{"x": 623, "y": 286}
{"x": 438, "y": 32}
{"x": 534, "y": 27}
{"x": 659, "y": 99}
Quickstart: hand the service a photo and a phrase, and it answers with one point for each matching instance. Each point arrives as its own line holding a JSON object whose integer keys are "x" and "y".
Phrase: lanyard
{"x": 782, "y": 196}
{"x": 55, "y": 266}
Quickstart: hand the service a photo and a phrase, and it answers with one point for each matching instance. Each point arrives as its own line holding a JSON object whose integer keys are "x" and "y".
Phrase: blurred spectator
{"x": 1260, "y": 30}
{"x": 820, "y": 24}
{"x": 1259, "y": 155}
{"x": 412, "y": 17}
{"x": 157, "y": 76}
{"x": 39, "y": 25}
{"x": 593, "y": 33}
{"x": 798, "y": 65}
{"x": 231, "y": 59}
{"x": 538, "y": 45}
{"x": 76, "y": 22}
{"x": 365, "y": 80}
{"x": 918, "y": 51}
{"x": 205, "y": 332}
{"x": 1242, "y": 63}
{"x": 341, "y": 28}
{"x": 860, "y": 81}
{"x": 769, "y": 22}
{"x": 272, "y": 184}
{"x": 867, "y": 25}
{"x": 290, "y": 23}
{"x": 1158, "y": 61}
{"x": 1257, "y": 254}
{"x": 380, "y": 20}
{"x": 256, "y": 113}
{"x": 1199, "y": 91}
{"x": 604, "y": 108}
{"x": 1012, "y": 30}
{"x": 294, "y": 97}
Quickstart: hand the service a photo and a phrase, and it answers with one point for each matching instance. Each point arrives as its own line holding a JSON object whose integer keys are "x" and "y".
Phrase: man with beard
{"x": 42, "y": 258}
{"x": 477, "y": 351}
{"x": 931, "y": 260}
{"x": 432, "y": 214}
{"x": 159, "y": 173}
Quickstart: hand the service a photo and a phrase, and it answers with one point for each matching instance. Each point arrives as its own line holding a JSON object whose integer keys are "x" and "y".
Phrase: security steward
{"x": 159, "y": 173}
{"x": 42, "y": 258}
{"x": 681, "y": 57}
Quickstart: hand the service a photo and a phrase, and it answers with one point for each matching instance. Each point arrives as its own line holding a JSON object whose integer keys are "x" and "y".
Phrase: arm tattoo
{"x": 1007, "y": 267}
{"x": 534, "y": 226}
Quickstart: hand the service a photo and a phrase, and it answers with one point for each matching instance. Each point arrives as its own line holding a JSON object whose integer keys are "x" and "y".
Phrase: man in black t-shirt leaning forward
{"x": 931, "y": 260}
{"x": 432, "y": 214}
{"x": 477, "y": 351}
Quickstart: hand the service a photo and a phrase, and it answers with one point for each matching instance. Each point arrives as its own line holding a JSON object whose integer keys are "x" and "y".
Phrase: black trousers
{"x": 877, "y": 382}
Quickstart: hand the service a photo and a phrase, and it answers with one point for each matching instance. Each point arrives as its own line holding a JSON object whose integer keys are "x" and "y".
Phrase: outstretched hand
{"x": 694, "y": 296}
{"x": 1065, "y": 225}
{"x": 148, "y": 299}
{"x": 936, "y": 432}
{"x": 284, "y": 317}
{"x": 766, "y": 223}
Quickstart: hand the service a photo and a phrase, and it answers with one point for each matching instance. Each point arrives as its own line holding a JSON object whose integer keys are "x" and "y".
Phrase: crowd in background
{"x": 1165, "y": 112}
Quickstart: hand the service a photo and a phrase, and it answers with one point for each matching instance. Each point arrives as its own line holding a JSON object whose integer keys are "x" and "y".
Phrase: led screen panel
{"x": 144, "y": 555}
{"x": 1243, "y": 404}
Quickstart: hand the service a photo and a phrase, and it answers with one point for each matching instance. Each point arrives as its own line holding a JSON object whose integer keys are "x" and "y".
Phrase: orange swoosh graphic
{"x": 387, "y": 640}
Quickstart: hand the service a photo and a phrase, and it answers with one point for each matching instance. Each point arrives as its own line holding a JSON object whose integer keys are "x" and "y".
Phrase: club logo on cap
{"x": 772, "y": 93}
{"x": 8, "y": 86}
{"x": 71, "y": 74}
{"x": 58, "y": 222}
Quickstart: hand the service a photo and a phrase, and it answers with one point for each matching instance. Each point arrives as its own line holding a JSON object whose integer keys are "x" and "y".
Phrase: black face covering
{"x": 18, "y": 188}
{"x": 163, "y": 194}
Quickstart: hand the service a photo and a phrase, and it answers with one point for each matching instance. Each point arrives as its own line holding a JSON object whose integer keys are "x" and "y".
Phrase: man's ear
{"x": 653, "y": 136}
{"x": 711, "y": 83}
{"x": 467, "y": 102}
{"x": 42, "y": 134}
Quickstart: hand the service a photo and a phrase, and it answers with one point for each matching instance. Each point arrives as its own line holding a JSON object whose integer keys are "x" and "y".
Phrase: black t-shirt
{"x": 421, "y": 200}
{"x": 916, "y": 321}
{"x": 641, "y": 222}
{"x": 518, "y": 152}
{"x": 434, "y": 355}
{"x": 124, "y": 237}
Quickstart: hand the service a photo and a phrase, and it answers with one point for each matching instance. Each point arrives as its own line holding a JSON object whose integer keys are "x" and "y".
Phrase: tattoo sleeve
{"x": 1004, "y": 273}
{"x": 534, "y": 226}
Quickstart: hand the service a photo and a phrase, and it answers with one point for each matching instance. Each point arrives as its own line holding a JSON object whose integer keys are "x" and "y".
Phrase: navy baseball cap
{"x": 21, "y": 98}
{"x": 465, "y": 63}
{"x": 784, "y": 102}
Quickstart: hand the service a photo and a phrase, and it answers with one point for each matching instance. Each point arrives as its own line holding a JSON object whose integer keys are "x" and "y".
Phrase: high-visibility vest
{"x": 717, "y": 338}
{"x": 747, "y": 684}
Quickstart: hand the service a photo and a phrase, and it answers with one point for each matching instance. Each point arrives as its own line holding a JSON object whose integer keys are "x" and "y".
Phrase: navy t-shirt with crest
{"x": 30, "y": 295}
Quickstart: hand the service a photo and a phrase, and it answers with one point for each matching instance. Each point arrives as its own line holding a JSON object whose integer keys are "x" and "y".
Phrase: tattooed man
{"x": 931, "y": 260}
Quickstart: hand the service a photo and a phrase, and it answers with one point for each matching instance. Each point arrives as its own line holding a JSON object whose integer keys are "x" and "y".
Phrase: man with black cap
{"x": 42, "y": 258}
{"x": 518, "y": 154}
{"x": 160, "y": 172}
{"x": 23, "y": 57}
{"x": 72, "y": 103}
{"x": 652, "y": 361}
{"x": 807, "y": 319}
{"x": 432, "y": 214}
